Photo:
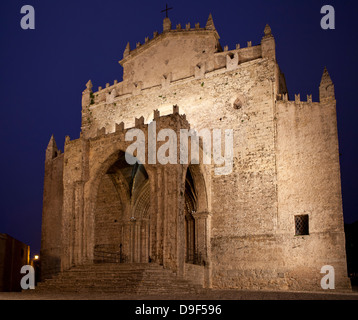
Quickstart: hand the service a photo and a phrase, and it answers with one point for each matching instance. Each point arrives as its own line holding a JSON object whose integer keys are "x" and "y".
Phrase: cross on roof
{"x": 166, "y": 10}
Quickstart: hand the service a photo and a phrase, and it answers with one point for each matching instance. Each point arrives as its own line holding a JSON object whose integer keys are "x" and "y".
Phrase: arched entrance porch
{"x": 122, "y": 214}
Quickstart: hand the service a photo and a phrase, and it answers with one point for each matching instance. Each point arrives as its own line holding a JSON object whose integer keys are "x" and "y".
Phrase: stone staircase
{"x": 134, "y": 279}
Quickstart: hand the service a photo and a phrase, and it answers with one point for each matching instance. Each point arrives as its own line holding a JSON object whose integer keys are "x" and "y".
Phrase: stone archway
{"x": 122, "y": 214}
{"x": 196, "y": 217}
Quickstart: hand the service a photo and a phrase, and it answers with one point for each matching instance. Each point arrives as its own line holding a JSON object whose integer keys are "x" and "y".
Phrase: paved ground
{"x": 211, "y": 295}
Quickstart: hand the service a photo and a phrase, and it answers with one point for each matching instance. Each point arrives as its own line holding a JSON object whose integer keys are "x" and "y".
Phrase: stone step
{"x": 119, "y": 285}
{"x": 105, "y": 289}
{"x": 120, "y": 281}
{"x": 118, "y": 278}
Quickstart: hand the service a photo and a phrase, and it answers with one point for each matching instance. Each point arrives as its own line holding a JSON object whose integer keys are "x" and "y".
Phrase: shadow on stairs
{"x": 131, "y": 278}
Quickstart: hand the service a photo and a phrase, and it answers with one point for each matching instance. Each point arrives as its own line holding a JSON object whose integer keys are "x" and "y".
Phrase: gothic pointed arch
{"x": 122, "y": 213}
{"x": 195, "y": 211}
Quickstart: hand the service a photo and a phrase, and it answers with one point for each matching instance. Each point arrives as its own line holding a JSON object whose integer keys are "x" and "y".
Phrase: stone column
{"x": 78, "y": 224}
{"x": 202, "y": 230}
{"x": 201, "y": 233}
{"x": 167, "y": 232}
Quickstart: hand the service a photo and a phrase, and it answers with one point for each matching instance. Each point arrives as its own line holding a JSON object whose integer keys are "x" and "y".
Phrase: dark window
{"x": 301, "y": 225}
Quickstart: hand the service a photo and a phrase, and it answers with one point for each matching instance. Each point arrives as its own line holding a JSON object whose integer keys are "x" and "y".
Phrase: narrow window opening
{"x": 301, "y": 225}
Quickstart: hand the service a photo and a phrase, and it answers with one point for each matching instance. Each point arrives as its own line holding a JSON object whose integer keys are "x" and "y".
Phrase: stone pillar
{"x": 78, "y": 224}
{"x": 156, "y": 214}
{"x": 167, "y": 219}
{"x": 202, "y": 229}
{"x": 52, "y": 212}
{"x": 144, "y": 241}
{"x": 201, "y": 234}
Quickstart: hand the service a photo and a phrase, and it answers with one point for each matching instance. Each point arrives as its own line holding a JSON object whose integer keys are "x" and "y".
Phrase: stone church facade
{"x": 272, "y": 223}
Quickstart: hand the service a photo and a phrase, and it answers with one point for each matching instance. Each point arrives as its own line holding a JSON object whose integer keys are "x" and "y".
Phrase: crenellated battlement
{"x": 201, "y": 56}
{"x": 284, "y": 97}
{"x": 227, "y": 60}
{"x": 167, "y": 29}
{"x": 118, "y": 128}
{"x": 326, "y": 92}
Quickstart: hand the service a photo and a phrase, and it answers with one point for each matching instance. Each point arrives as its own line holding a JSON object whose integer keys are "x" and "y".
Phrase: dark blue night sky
{"x": 44, "y": 71}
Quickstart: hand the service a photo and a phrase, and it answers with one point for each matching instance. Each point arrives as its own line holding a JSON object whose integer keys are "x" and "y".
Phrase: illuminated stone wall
{"x": 285, "y": 163}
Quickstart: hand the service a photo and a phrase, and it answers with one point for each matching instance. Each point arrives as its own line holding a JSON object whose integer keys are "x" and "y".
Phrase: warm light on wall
{"x": 36, "y": 257}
